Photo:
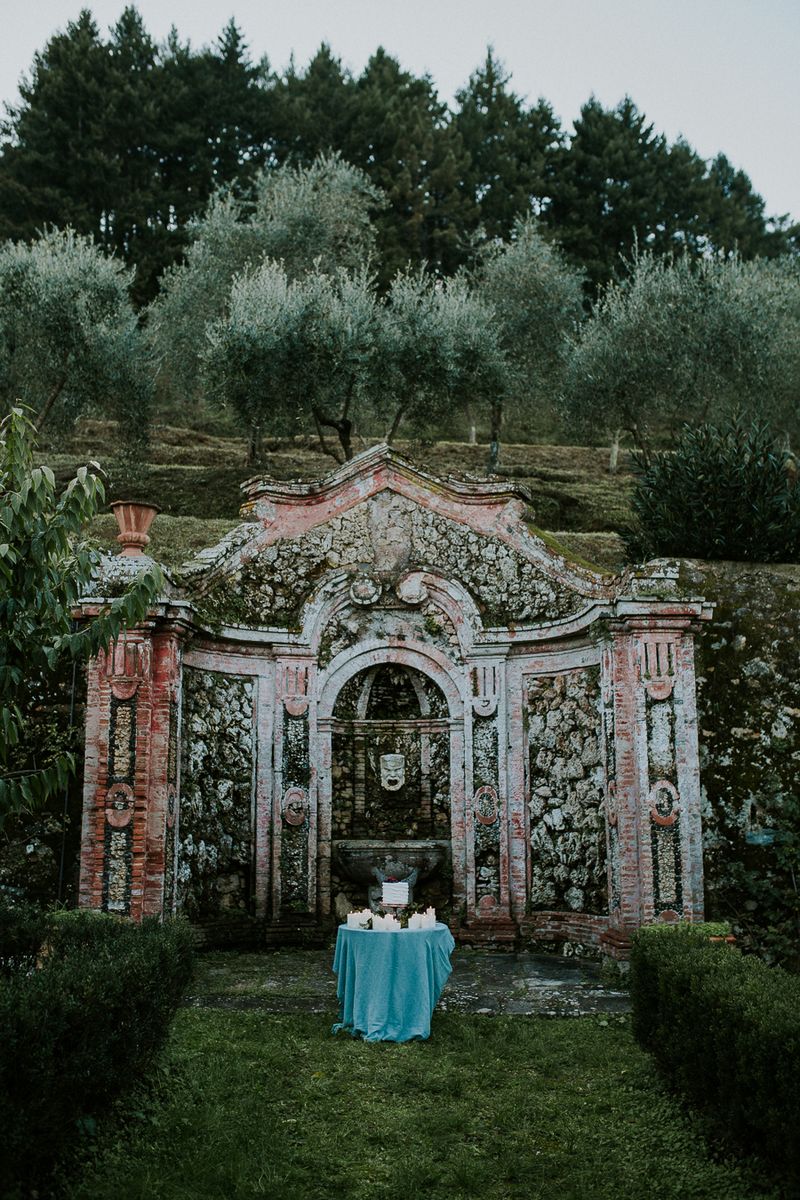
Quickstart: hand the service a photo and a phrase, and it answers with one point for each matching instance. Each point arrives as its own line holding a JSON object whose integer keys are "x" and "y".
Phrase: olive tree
{"x": 440, "y": 351}
{"x": 305, "y": 218}
{"x": 69, "y": 337}
{"x": 294, "y": 354}
{"x": 537, "y": 299}
{"x": 677, "y": 341}
{"x": 45, "y": 565}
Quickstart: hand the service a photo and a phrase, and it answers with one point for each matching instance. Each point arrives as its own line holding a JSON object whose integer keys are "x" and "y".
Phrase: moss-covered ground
{"x": 254, "y": 1104}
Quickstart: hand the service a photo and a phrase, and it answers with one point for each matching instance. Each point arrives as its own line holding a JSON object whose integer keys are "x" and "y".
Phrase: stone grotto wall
{"x": 270, "y": 587}
{"x": 568, "y": 841}
{"x": 215, "y": 835}
{"x": 748, "y": 691}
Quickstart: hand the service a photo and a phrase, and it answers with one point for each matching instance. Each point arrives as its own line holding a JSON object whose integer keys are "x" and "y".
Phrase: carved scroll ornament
{"x": 295, "y": 688}
{"x": 486, "y": 806}
{"x": 295, "y": 806}
{"x": 125, "y": 664}
{"x": 119, "y": 805}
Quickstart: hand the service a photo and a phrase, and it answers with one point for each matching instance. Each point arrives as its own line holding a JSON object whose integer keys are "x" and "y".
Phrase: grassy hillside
{"x": 194, "y": 477}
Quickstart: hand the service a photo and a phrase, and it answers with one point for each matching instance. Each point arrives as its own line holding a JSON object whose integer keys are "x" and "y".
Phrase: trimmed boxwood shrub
{"x": 725, "y": 1028}
{"x": 80, "y": 1025}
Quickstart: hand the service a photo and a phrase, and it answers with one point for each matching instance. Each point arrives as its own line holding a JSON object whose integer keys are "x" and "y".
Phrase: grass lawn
{"x": 252, "y": 1104}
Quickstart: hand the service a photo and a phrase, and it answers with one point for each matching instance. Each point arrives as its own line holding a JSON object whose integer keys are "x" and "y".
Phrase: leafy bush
{"x": 723, "y": 492}
{"x": 22, "y": 931}
{"x": 79, "y": 1028}
{"x": 726, "y": 1029}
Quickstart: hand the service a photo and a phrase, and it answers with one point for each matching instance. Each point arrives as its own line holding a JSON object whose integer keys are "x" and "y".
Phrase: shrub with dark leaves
{"x": 723, "y": 492}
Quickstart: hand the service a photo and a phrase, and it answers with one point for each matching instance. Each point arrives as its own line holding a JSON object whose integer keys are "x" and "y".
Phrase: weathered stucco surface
{"x": 567, "y": 787}
{"x": 215, "y": 830}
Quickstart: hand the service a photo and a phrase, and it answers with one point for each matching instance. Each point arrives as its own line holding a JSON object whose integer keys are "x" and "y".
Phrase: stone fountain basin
{"x": 357, "y": 856}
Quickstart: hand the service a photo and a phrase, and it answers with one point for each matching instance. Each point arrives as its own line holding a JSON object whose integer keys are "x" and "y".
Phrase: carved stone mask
{"x": 393, "y": 771}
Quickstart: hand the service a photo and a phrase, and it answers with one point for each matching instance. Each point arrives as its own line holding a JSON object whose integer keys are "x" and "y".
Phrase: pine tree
{"x": 735, "y": 214}
{"x": 240, "y": 117}
{"x": 55, "y": 167}
{"x": 132, "y": 132}
{"x": 508, "y": 148}
{"x": 607, "y": 187}
{"x": 401, "y": 137}
{"x": 313, "y": 109}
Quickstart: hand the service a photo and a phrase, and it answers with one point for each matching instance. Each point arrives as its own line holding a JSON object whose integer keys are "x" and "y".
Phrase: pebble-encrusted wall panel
{"x": 486, "y": 809}
{"x": 295, "y": 869}
{"x": 270, "y": 587}
{"x": 170, "y": 836}
{"x": 567, "y": 786}
{"x": 119, "y": 828}
{"x": 216, "y": 821}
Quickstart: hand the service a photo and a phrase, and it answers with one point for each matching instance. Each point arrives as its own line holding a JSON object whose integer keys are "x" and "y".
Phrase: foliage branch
{"x": 45, "y": 567}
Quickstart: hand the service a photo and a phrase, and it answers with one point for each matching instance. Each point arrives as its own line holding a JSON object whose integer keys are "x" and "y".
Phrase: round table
{"x": 388, "y": 983}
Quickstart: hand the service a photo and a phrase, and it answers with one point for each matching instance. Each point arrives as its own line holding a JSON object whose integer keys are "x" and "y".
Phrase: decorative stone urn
{"x": 134, "y": 520}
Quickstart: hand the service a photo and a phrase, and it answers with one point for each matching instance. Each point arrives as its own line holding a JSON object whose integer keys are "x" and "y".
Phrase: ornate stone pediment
{"x": 385, "y": 524}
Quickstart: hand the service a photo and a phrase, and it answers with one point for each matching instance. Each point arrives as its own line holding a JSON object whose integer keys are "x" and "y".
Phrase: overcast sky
{"x": 724, "y": 73}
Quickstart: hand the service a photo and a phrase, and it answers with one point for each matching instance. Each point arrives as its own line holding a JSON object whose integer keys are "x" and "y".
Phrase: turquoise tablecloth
{"x": 388, "y": 983}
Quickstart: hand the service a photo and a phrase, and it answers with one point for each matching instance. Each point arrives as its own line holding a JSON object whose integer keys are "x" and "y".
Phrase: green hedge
{"x": 725, "y": 1028}
{"x": 79, "y": 1028}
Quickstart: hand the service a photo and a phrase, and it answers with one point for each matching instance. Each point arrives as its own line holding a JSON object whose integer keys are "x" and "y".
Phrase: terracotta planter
{"x": 133, "y": 520}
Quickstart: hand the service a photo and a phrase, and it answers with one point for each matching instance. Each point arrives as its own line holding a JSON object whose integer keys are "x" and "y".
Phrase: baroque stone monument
{"x": 385, "y": 670}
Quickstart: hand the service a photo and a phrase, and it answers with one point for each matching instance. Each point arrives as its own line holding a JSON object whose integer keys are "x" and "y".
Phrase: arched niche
{"x": 356, "y": 727}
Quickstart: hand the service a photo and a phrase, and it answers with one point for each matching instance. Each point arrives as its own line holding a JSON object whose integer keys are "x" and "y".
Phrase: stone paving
{"x": 490, "y": 983}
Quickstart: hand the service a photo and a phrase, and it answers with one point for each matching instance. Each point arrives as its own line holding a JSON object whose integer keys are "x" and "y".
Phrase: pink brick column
{"x": 131, "y": 784}
{"x": 653, "y": 800}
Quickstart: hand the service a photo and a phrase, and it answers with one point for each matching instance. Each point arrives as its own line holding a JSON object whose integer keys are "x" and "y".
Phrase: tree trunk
{"x": 473, "y": 435}
{"x": 613, "y": 457}
{"x": 344, "y": 431}
{"x": 641, "y": 444}
{"x": 391, "y": 433}
{"x": 58, "y": 388}
{"x": 254, "y": 445}
{"x": 495, "y": 426}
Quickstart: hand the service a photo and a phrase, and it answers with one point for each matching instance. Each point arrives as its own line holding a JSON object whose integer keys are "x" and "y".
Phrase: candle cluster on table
{"x": 426, "y": 920}
{"x": 360, "y": 920}
{"x": 388, "y": 924}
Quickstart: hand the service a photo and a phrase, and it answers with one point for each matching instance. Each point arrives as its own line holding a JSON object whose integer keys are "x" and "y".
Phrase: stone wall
{"x": 748, "y": 689}
{"x": 215, "y": 821}
{"x": 568, "y": 841}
